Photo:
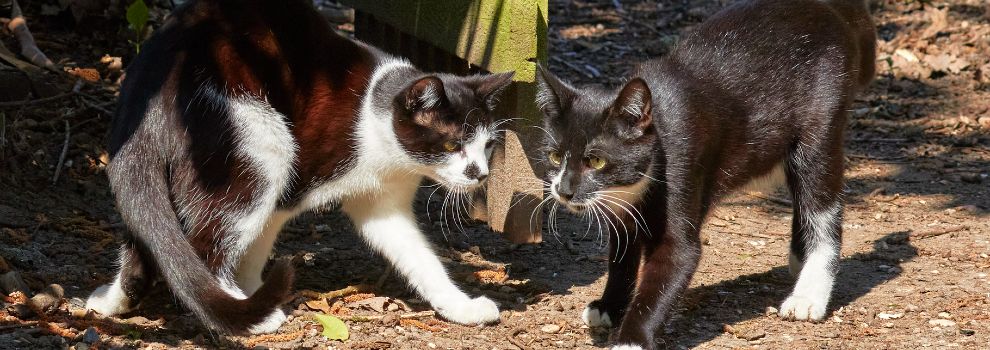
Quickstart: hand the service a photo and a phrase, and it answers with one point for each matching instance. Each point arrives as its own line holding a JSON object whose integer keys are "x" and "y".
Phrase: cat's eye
{"x": 554, "y": 157}
{"x": 596, "y": 162}
{"x": 451, "y": 146}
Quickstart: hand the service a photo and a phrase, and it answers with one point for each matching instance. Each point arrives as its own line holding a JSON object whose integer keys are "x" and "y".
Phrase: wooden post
{"x": 462, "y": 36}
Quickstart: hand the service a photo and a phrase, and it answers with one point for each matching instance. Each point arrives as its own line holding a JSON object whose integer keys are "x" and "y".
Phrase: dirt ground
{"x": 914, "y": 268}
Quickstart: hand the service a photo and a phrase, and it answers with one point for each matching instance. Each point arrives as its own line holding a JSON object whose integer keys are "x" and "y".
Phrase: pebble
{"x": 81, "y": 346}
{"x": 944, "y": 315}
{"x": 550, "y": 328}
{"x": 770, "y": 310}
{"x": 91, "y": 336}
{"x": 911, "y": 307}
{"x": 890, "y": 315}
{"x": 942, "y": 323}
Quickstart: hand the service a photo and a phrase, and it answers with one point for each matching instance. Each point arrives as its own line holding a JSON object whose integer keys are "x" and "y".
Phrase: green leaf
{"x": 333, "y": 328}
{"x": 137, "y": 16}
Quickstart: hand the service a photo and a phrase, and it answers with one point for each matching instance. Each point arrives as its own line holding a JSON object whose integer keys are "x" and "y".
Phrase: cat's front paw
{"x": 479, "y": 310}
{"x": 596, "y": 316}
{"x": 802, "y": 308}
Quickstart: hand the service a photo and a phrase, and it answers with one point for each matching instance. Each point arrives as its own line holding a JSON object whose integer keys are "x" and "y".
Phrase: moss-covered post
{"x": 462, "y": 36}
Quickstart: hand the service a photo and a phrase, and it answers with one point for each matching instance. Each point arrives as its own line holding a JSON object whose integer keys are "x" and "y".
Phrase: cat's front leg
{"x": 387, "y": 223}
{"x": 623, "y": 265}
{"x": 668, "y": 264}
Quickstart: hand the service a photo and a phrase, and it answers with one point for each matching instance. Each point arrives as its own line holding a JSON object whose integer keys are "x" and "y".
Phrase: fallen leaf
{"x": 320, "y": 305}
{"x": 375, "y": 303}
{"x": 333, "y": 328}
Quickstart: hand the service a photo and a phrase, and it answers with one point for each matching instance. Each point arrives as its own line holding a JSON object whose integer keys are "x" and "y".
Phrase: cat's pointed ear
{"x": 633, "y": 108}
{"x": 425, "y": 93}
{"x": 492, "y": 86}
{"x": 553, "y": 95}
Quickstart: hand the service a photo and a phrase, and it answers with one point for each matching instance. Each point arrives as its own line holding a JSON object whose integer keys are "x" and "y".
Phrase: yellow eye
{"x": 554, "y": 157}
{"x": 596, "y": 162}
{"x": 451, "y": 146}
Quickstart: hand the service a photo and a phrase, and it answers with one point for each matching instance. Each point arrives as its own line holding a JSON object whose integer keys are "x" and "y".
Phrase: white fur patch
{"x": 473, "y": 151}
{"x": 270, "y": 324}
{"x": 109, "y": 299}
{"x": 627, "y": 347}
{"x": 809, "y": 300}
{"x": 265, "y": 141}
{"x": 596, "y": 318}
{"x": 388, "y": 225}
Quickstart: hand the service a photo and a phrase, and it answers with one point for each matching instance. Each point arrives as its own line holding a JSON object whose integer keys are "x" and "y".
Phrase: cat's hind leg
{"x": 132, "y": 282}
{"x": 814, "y": 177}
{"x": 387, "y": 223}
{"x": 255, "y": 258}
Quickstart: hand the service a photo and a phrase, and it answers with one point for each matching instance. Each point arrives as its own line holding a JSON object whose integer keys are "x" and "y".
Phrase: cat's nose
{"x": 565, "y": 195}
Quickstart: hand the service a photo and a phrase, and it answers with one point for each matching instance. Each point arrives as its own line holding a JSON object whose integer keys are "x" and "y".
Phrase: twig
{"x": 938, "y": 232}
{"x": 773, "y": 199}
{"x": 384, "y": 278}
{"x": 575, "y": 67}
{"x": 412, "y": 315}
{"x": 361, "y": 288}
{"x": 890, "y": 140}
{"x": 518, "y": 343}
{"x": 61, "y": 158}
{"x": 748, "y": 234}
{"x": 97, "y": 106}
{"x": 26, "y": 102}
{"x": 30, "y": 50}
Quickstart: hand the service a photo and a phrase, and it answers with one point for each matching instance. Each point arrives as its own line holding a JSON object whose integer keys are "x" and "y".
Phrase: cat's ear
{"x": 633, "y": 108}
{"x": 424, "y": 94}
{"x": 492, "y": 86}
{"x": 553, "y": 95}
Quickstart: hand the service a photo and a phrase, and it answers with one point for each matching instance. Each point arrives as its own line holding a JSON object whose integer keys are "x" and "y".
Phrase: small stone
{"x": 390, "y": 320}
{"x": 967, "y": 332}
{"x": 944, "y": 315}
{"x": 889, "y": 315}
{"x": 431, "y": 345}
{"x": 81, "y": 346}
{"x": 91, "y": 336}
{"x": 888, "y": 325}
{"x": 753, "y": 335}
{"x": 942, "y": 323}
{"x": 550, "y": 328}
{"x": 911, "y": 307}
{"x": 770, "y": 310}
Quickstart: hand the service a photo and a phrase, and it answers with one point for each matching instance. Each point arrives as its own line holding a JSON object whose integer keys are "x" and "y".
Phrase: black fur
{"x": 759, "y": 84}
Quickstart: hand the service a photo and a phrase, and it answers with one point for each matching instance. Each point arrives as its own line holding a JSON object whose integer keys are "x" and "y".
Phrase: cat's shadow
{"x": 707, "y": 308}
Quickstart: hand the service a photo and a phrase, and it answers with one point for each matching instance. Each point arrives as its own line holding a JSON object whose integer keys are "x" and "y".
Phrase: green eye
{"x": 554, "y": 157}
{"x": 596, "y": 162}
{"x": 451, "y": 146}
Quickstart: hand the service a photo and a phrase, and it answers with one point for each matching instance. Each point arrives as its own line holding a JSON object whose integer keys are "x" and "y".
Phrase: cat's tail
{"x": 139, "y": 177}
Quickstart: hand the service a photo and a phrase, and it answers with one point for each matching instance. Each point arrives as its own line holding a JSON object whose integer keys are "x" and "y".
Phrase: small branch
{"x": 27, "y": 102}
{"x": 748, "y": 234}
{"x": 938, "y": 232}
{"x": 773, "y": 199}
{"x": 515, "y": 341}
{"x": 412, "y": 315}
{"x": 573, "y": 66}
{"x": 29, "y": 49}
{"x": 61, "y": 158}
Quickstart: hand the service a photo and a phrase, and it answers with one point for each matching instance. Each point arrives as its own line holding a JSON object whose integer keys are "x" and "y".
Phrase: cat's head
{"x": 446, "y": 123}
{"x": 599, "y": 145}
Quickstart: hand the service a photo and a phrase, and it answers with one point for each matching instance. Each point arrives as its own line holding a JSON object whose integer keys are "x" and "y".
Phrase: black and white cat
{"x": 761, "y": 84}
{"x": 238, "y": 115}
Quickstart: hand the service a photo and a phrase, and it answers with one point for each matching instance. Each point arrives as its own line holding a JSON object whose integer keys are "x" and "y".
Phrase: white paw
{"x": 627, "y": 347}
{"x": 470, "y": 311}
{"x": 270, "y": 324}
{"x": 596, "y": 318}
{"x": 802, "y": 308}
{"x": 108, "y": 300}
